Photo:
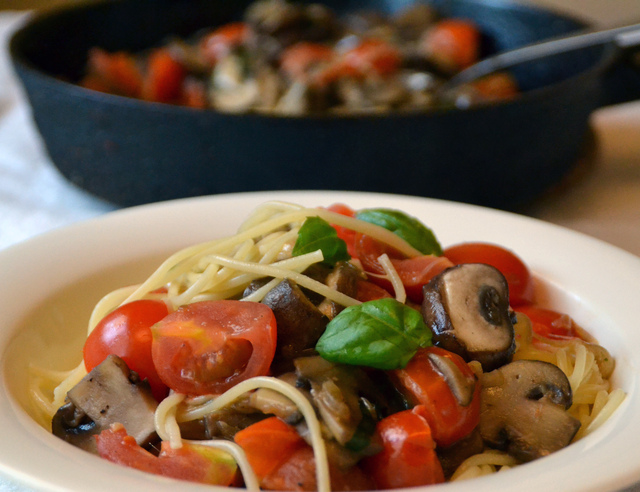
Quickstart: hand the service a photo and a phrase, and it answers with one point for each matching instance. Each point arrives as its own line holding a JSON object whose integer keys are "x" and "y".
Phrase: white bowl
{"x": 50, "y": 284}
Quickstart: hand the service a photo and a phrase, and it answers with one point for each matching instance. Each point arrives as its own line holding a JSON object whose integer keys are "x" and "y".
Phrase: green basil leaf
{"x": 384, "y": 334}
{"x": 408, "y": 228}
{"x": 317, "y": 234}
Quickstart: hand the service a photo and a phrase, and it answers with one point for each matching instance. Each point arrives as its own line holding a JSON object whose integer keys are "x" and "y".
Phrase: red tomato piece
{"x": 519, "y": 278}
{"x": 268, "y": 444}
{"x": 370, "y": 57}
{"x": 195, "y": 463}
{"x": 282, "y": 459}
{"x": 408, "y": 458}
{"x": 423, "y": 384}
{"x": 207, "y": 347}
{"x": 164, "y": 78}
{"x": 194, "y": 94}
{"x": 454, "y": 43}
{"x": 126, "y": 332}
{"x": 118, "y": 71}
{"x": 299, "y": 59}
{"x": 368, "y": 291}
{"x": 298, "y": 472}
{"x": 221, "y": 41}
{"x": 414, "y": 272}
{"x": 551, "y": 324}
{"x": 347, "y": 235}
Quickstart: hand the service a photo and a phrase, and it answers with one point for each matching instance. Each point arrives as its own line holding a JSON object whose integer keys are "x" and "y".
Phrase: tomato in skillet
{"x": 424, "y": 384}
{"x": 164, "y": 77}
{"x": 115, "y": 73}
{"x": 519, "y": 278}
{"x": 209, "y": 346}
{"x": 222, "y": 40}
{"x": 454, "y": 43}
{"x": 298, "y": 60}
{"x": 408, "y": 457}
{"x": 371, "y": 56}
{"x": 126, "y": 332}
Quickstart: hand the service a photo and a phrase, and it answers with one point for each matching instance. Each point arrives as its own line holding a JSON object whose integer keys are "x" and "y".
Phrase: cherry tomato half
{"x": 455, "y": 43}
{"x": 519, "y": 278}
{"x": 423, "y": 384}
{"x": 221, "y": 41}
{"x": 164, "y": 77}
{"x": 192, "y": 462}
{"x": 551, "y": 324}
{"x": 209, "y": 346}
{"x": 126, "y": 332}
{"x": 299, "y": 59}
{"x": 347, "y": 235}
{"x": 408, "y": 457}
{"x": 414, "y": 272}
{"x": 372, "y": 56}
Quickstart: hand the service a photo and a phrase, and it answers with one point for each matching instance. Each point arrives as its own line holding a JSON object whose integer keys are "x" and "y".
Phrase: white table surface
{"x": 604, "y": 202}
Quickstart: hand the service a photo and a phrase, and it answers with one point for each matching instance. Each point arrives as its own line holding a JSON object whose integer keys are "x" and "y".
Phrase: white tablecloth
{"x": 34, "y": 197}
{"x": 604, "y": 202}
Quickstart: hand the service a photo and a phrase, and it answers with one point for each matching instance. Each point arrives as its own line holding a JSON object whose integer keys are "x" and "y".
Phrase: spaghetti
{"x": 262, "y": 249}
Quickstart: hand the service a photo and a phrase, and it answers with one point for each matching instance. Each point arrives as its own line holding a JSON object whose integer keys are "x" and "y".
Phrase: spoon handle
{"x": 625, "y": 37}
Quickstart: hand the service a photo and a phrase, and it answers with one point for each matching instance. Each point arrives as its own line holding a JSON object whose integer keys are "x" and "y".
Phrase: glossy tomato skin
{"x": 551, "y": 324}
{"x": 347, "y": 235}
{"x": 424, "y": 385}
{"x": 126, "y": 332}
{"x": 207, "y": 347}
{"x": 414, "y": 272}
{"x": 221, "y": 41}
{"x": 408, "y": 457}
{"x": 519, "y": 278}
{"x": 194, "y": 463}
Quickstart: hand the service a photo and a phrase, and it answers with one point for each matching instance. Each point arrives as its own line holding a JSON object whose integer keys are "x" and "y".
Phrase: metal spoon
{"x": 623, "y": 37}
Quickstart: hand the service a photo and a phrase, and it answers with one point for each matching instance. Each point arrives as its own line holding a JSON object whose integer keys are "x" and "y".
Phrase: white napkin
{"x": 34, "y": 197}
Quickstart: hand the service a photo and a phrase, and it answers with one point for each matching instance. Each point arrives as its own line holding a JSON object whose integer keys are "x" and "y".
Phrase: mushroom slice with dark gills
{"x": 467, "y": 308}
{"x": 524, "y": 409}
{"x": 300, "y": 323}
{"x": 344, "y": 278}
{"x": 109, "y": 394}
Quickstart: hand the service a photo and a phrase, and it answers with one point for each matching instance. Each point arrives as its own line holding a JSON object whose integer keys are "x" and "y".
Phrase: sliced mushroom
{"x": 109, "y": 394}
{"x": 461, "y": 386}
{"x": 334, "y": 393}
{"x": 452, "y": 456}
{"x": 300, "y": 323}
{"x": 524, "y": 409}
{"x": 232, "y": 89}
{"x": 467, "y": 308}
{"x": 343, "y": 278}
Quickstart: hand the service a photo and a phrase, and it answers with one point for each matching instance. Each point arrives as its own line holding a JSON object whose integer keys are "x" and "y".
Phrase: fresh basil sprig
{"x": 317, "y": 234}
{"x": 383, "y": 334}
{"x": 408, "y": 228}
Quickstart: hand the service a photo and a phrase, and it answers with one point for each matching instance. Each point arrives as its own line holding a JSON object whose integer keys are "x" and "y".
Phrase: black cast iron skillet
{"x": 131, "y": 152}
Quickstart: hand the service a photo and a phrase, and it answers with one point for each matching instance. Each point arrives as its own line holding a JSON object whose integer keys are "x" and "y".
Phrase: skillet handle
{"x": 621, "y": 81}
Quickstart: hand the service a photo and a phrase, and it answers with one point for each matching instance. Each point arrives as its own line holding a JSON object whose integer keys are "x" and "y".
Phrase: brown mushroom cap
{"x": 467, "y": 308}
{"x": 109, "y": 394}
{"x": 524, "y": 407}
